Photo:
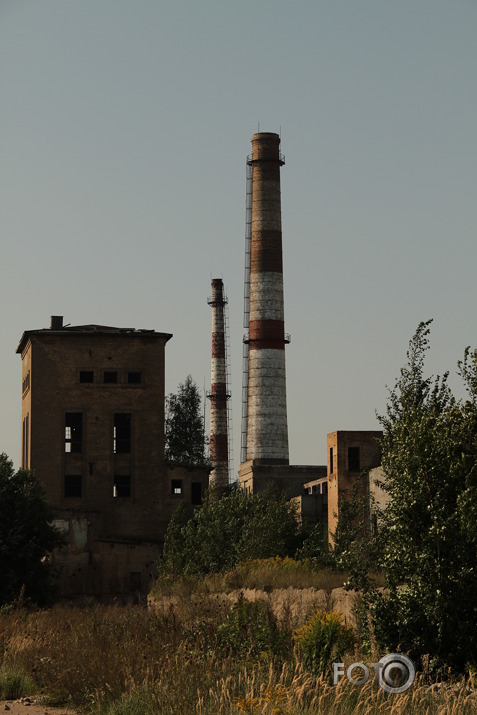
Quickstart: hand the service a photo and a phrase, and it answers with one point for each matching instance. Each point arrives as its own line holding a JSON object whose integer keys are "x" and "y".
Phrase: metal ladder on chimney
{"x": 228, "y": 390}
{"x": 246, "y": 305}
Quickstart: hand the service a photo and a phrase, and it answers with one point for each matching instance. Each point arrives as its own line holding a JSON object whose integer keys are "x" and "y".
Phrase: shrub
{"x": 323, "y": 639}
{"x": 27, "y": 536}
{"x": 251, "y": 629}
{"x": 14, "y": 683}
{"x": 132, "y": 704}
{"x": 228, "y": 530}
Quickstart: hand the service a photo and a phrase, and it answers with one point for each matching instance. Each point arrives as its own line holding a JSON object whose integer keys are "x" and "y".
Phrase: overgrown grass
{"x": 15, "y": 683}
{"x": 261, "y": 574}
{"x": 127, "y": 660}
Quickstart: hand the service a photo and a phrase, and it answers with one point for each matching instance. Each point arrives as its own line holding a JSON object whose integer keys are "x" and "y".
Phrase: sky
{"x": 125, "y": 128}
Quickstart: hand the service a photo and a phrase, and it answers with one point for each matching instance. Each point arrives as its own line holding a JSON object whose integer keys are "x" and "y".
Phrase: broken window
{"x": 110, "y": 377}
{"x": 73, "y": 485}
{"x": 26, "y": 383}
{"x": 122, "y": 433}
{"x": 134, "y": 378}
{"x": 176, "y": 487}
{"x": 86, "y": 376}
{"x": 122, "y": 485}
{"x": 331, "y": 460}
{"x": 196, "y": 493}
{"x": 73, "y": 432}
{"x": 27, "y": 441}
{"x": 353, "y": 459}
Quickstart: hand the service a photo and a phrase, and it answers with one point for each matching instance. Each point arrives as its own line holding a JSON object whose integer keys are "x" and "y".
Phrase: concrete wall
{"x": 284, "y": 477}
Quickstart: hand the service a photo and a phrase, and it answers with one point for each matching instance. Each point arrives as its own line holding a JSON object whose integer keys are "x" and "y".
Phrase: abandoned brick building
{"x": 350, "y": 454}
{"x": 93, "y": 431}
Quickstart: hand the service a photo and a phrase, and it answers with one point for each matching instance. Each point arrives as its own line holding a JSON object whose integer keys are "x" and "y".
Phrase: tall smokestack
{"x": 267, "y": 429}
{"x": 218, "y": 395}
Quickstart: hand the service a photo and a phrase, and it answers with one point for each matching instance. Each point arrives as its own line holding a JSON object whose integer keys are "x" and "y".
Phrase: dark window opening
{"x": 25, "y": 442}
{"x": 176, "y": 486}
{"x": 73, "y": 432}
{"x": 331, "y": 460}
{"x": 324, "y": 488}
{"x": 122, "y": 485}
{"x": 73, "y": 485}
{"x": 122, "y": 433}
{"x": 26, "y": 383}
{"x": 86, "y": 376}
{"x": 134, "y": 378}
{"x": 110, "y": 378}
{"x": 196, "y": 493}
{"x": 353, "y": 459}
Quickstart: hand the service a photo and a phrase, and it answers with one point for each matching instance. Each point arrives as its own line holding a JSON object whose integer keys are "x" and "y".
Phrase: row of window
{"x": 74, "y": 432}
{"x": 112, "y": 377}
{"x": 73, "y": 487}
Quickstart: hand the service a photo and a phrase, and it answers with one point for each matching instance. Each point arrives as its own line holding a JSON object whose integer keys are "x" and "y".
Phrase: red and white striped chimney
{"x": 219, "y": 476}
{"x": 267, "y": 428}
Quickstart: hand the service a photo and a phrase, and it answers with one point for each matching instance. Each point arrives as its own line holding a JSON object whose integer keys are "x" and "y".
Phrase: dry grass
{"x": 292, "y": 691}
{"x": 126, "y": 660}
{"x": 261, "y": 574}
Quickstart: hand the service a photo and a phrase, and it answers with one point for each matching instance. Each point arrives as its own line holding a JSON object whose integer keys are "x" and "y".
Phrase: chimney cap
{"x": 56, "y": 322}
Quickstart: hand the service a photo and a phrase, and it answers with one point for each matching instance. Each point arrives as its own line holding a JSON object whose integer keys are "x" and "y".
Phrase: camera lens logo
{"x": 396, "y": 673}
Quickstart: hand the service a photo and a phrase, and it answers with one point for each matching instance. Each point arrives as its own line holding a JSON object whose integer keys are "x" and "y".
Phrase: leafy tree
{"x": 26, "y": 536}
{"x": 184, "y": 425}
{"x": 228, "y": 530}
{"x": 428, "y": 537}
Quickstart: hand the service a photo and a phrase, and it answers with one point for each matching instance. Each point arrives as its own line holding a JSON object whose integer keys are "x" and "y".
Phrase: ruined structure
{"x": 218, "y": 395}
{"x": 93, "y": 431}
{"x": 350, "y": 454}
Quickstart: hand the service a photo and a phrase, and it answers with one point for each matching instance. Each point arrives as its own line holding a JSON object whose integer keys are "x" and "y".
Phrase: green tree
{"x": 26, "y": 536}
{"x": 184, "y": 425}
{"x": 228, "y": 530}
{"x": 428, "y": 539}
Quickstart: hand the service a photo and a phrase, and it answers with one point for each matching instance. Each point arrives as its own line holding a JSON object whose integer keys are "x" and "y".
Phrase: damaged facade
{"x": 93, "y": 431}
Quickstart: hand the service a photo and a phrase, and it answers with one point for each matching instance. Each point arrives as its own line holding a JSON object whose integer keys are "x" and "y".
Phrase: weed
{"x": 15, "y": 683}
{"x": 323, "y": 639}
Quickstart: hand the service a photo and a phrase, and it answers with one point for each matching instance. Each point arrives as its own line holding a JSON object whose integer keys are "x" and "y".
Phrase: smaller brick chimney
{"x": 56, "y": 322}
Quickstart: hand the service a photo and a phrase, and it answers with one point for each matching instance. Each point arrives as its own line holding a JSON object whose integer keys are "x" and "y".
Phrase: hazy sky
{"x": 125, "y": 127}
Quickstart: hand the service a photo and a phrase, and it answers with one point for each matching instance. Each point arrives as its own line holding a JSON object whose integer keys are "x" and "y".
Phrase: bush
{"x": 322, "y": 640}
{"x": 251, "y": 630}
{"x": 15, "y": 683}
{"x": 133, "y": 704}
{"x": 27, "y": 536}
{"x": 225, "y": 531}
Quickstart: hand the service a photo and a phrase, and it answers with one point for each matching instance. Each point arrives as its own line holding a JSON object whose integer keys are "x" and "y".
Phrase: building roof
{"x": 69, "y": 330}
